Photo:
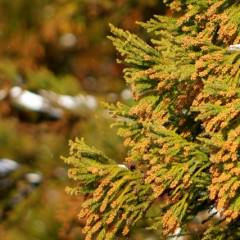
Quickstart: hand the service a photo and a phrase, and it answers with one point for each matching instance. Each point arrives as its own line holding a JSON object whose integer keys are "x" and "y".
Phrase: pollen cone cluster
{"x": 182, "y": 132}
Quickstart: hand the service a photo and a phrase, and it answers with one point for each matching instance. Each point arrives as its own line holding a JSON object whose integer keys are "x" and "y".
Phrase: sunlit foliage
{"x": 182, "y": 133}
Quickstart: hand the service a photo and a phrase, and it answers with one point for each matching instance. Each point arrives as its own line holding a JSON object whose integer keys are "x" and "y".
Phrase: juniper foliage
{"x": 182, "y": 132}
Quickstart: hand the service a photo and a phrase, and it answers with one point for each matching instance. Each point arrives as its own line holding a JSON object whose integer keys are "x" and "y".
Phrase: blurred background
{"x": 56, "y": 67}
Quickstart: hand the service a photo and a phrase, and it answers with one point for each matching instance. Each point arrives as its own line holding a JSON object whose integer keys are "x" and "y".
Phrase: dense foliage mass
{"x": 54, "y": 52}
{"x": 182, "y": 132}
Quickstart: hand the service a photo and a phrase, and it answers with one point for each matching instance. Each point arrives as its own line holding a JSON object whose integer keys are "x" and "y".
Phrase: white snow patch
{"x": 234, "y": 47}
{"x": 176, "y": 235}
{"x": 68, "y": 40}
{"x": 122, "y": 166}
{"x": 7, "y": 166}
{"x": 126, "y": 94}
{"x": 34, "y": 178}
{"x": 52, "y": 103}
{"x": 27, "y": 99}
{"x": 215, "y": 211}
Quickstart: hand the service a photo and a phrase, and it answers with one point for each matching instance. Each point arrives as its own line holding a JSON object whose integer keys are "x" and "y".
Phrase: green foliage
{"x": 118, "y": 193}
{"x": 55, "y": 45}
{"x": 44, "y": 79}
{"x": 35, "y": 80}
{"x": 182, "y": 132}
